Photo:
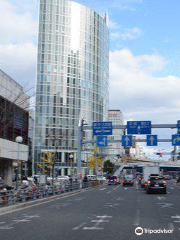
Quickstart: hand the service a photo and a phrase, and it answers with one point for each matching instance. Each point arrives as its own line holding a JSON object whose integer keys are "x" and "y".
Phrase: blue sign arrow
{"x": 102, "y": 128}
{"x": 152, "y": 140}
{"x": 176, "y": 140}
{"x": 102, "y": 141}
{"x": 139, "y": 127}
{"x": 178, "y": 126}
{"x": 127, "y": 140}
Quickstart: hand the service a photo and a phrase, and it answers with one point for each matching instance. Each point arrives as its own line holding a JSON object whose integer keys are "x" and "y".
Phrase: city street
{"x": 107, "y": 212}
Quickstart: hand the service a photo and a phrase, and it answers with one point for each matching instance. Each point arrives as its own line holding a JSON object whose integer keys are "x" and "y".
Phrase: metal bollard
{"x": 23, "y": 198}
{"x": 40, "y": 194}
{"x": 10, "y": 200}
{"x": 47, "y": 193}
{"x": 34, "y": 196}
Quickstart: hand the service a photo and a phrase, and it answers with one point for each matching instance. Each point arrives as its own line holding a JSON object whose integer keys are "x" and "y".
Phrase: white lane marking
{"x": 102, "y": 189}
{"x": 116, "y": 187}
{"x": 137, "y": 217}
{"x": 80, "y": 225}
{"x": 97, "y": 223}
{"x": 100, "y": 220}
{"x": 109, "y": 192}
{"x": 16, "y": 221}
{"x": 176, "y": 217}
{"x": 104, "y": 216}
{"x": 125, "y": 188}
{"x": 93, "y": 228}
{"x": 161, "y": 198}
{"x": 119, "y": 199}
{"x": 165, "y": 205}
{"x": 6, "y": 227}
{"x": 171, "y": 188}
{"x": 31, "y": 216}
{"x": 2, "y": 222}
{"x": 168, "y": 192}
{"x": 21, "y": 220}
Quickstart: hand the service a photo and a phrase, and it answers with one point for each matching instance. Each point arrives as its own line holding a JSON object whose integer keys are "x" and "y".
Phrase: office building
{"x": 115, "y": 150}
{"x": 72, "y": 79}
{"x": 13, "y": 123}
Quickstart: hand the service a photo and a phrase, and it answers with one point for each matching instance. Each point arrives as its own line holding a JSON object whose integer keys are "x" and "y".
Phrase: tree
{"x": 108, "y": 166}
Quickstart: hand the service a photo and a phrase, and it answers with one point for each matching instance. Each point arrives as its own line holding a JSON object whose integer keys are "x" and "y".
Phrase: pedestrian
{"x": 85, "y": 180}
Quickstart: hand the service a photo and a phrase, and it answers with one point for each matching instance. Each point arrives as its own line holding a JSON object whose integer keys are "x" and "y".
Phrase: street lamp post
{"x": 71, "y": 156}
{"x": 19, "y": 140}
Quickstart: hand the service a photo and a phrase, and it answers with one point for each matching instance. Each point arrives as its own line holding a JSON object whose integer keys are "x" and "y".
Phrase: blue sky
{"x": 158, "y": 21}
{"x": 144, "y": 53}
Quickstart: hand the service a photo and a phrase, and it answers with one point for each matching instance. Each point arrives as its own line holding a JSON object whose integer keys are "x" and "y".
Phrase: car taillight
{"x": 108, "y": 180}
{"x": 123, "y": 181}
{"x": 164, "y": 182}
{"x": 149, "y": 182}
{"x": 115, "y": 179}
{"x": 156, "y": 178}
{"x": 139, "y": 178}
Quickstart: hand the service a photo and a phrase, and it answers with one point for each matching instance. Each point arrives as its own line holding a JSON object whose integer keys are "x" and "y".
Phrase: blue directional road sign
{"x": 102, "y": 141}
{"x": 152, "y": 140}
{"x": 102, "y": 128}
{"x": 176, "y": 140}
{"x": 139, "y": 127}
{"x": 178, "y": 126}
{"x": 127, "y": 140}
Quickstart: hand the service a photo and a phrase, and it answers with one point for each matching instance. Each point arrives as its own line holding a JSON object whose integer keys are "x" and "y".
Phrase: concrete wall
{"x": 8, "y": 150}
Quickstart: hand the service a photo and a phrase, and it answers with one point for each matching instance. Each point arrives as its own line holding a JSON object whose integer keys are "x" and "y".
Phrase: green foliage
{"x": 108, "y": 166}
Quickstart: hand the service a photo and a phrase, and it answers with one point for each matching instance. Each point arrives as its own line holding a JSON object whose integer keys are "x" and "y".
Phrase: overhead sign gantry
{"x": 103, "y": 129}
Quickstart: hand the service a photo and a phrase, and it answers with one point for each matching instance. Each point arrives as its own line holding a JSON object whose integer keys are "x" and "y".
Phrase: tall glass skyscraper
{"x": 72, "y": 77}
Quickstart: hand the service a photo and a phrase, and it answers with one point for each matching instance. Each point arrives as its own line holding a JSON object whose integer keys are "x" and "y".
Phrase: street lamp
{"x": 19, "y": 140}
{"x": 71, "y": 156}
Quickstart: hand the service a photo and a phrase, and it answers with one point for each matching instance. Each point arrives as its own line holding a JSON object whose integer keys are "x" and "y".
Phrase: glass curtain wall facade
{"x": 72, "y": 76}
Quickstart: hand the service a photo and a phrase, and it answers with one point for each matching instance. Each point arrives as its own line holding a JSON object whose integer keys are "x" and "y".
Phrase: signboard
{"x": 139, "y": 127}
{"x": 102, "y": 141}
{"x": 178, "y": 126}
{"x": 176, "y": 140}
{"x": 152, "y": 140}
{"x": 127, "y": 140}
{"x": 102, "y": 128}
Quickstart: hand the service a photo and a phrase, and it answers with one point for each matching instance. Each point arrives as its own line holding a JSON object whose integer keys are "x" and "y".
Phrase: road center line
{"x": 109, "y": 192}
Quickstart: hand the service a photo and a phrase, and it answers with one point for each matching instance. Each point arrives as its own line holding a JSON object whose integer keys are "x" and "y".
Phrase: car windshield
{"x": 159, "y": 180}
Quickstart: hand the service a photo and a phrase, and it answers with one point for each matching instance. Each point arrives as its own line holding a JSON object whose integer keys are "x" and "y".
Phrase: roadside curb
{"x": 20, "y": 206}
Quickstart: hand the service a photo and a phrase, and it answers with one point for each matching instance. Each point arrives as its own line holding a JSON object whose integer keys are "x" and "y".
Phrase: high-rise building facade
{"x": 72, "y": 77}
{"x": 14, "y": 104}
{"x": 115, "y": 149}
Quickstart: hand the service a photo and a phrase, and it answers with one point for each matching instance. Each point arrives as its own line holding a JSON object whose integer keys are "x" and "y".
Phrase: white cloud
{"x": 15, "y": 27}
{"x": 126, "y": 4}
{"x": 18, "y": 29}
{"x": 126, "y": 34}
{"x": 136, "y": 90}
{"x": 19, "y": 61}
{"x": 112, "y": 24}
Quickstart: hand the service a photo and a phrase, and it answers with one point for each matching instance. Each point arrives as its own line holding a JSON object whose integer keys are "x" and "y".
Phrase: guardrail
{"x": 12, "y": 197}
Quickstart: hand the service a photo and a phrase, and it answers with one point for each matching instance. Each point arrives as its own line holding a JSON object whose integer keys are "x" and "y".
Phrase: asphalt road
{"x": 105, "y": 213}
